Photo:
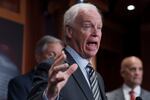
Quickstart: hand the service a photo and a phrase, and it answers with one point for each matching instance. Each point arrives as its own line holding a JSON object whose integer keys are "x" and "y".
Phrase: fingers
{"x": 58, "y": 64}
{"x": 71, "y": 69}
{"x": 58, "y": 78}
{"x": 60, "y": 59}
{"x": 61, "y": 76}
{"x": 61, "y": 67}
{"x": 60, "y": 73}
{"x": 56, "y": 69}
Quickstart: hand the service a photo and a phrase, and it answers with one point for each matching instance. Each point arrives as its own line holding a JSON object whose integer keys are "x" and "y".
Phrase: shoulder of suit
{"x": 114, "y": 92}
{"x": 21, "y": 78}
{"x": 145, "y": 92}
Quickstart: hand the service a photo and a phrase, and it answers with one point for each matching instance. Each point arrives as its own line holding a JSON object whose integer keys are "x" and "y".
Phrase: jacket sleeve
{"x": 40, "y": 81}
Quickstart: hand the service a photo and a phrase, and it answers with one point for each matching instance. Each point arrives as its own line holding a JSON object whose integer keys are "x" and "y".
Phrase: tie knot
{"x": 131, "y": 92}
{"x": 89, "y": 68}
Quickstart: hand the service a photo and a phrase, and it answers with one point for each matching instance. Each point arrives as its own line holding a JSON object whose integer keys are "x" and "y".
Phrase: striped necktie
{"x": 93, "y": 82}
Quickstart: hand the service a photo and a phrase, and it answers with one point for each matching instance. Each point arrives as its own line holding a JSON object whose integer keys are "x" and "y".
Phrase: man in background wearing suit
{"x": 70, "y": 76}
{"x": 20, "y": 86}
{"x": 132, "y": 74}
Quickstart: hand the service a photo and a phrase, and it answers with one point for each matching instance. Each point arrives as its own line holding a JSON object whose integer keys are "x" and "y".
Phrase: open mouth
{"x": 92, "y": 45}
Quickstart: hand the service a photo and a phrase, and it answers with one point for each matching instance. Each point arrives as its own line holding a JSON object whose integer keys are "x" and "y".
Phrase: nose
{"x": 96, "y": 31}
{"x": 138, "y": 72}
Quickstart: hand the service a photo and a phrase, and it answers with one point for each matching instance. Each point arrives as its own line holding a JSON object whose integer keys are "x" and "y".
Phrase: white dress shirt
{"x": 127, "y": 89}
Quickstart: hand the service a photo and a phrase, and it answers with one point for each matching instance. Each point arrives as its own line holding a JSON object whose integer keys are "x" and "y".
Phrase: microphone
{"x": 138, "y": 98}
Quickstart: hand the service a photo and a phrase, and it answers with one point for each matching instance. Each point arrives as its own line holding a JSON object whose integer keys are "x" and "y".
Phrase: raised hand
{"x": 58, "y": 76}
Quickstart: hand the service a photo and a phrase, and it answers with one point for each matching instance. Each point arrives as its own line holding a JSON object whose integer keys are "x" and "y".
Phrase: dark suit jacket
{"x": 20, "y": 86}
{"x": 118, "y": 94}
{"x": 76, "y": 88}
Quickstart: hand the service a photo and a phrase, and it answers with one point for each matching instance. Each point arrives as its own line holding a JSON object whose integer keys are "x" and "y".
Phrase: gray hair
{"x": 44, "y": 41}
{"x": 72, "y": 12}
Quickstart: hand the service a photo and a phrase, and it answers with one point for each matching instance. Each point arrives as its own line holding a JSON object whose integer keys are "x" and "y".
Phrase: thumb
{"x": 71, "y": 69}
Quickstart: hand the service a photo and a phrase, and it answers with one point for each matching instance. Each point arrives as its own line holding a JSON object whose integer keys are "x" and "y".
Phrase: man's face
{"x": 133, "y": 73}
{"x": 86, "y": 33}
{"x": 52, "y": 50}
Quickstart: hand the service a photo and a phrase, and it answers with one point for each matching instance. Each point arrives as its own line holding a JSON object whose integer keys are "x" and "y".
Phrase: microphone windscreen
{"x": 138, "y": 98}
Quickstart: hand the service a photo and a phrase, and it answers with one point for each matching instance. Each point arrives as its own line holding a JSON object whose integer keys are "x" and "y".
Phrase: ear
{"x": 38, "y": 57}
{"x": 69, "y": 31}
{"x": 122, "y": 73}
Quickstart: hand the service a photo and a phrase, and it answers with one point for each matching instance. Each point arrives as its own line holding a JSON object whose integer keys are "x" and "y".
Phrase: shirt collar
{"x": 127, "y": 89}
{"x": 79, "y": 60}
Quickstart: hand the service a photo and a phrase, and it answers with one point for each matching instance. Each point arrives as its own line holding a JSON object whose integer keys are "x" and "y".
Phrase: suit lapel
{"x": 118, "y": 95}
{"x": 80, "y": 79}
{"x": 121, "y": 95}
{"x": 143, "y": 94}
{"x": 83, "y": 84}
{"x": 101, "y": 86}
